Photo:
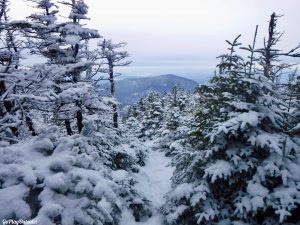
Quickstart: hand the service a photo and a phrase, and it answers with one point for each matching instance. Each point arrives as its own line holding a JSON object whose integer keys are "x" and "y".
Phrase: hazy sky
{"x": 183, "y": 36}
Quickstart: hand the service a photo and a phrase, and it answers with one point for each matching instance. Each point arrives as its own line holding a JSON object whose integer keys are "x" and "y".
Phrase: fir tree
{"x": 63, "y": 44}
{"x": 15, "y": 119}
{"x": 153, "y": 114}
{"x": 243, "y": 168}
{"x": 113, "y": 58}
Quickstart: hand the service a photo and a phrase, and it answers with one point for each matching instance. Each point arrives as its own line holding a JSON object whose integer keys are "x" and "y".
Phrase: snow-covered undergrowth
{"x": 65, "y": 180}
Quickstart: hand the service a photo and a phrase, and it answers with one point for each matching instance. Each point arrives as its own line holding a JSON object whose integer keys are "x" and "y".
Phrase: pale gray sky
{"x": 183, "y": 37}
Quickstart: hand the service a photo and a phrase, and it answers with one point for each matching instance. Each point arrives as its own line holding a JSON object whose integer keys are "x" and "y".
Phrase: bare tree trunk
{"x": 68, "y": 127}
{"x": 111, "y": 80}
{"x": 76, "y": 78}
{"x": 115, "y": 116}
{"x": 79, "y": 121}
{"x": 112, "y": 93}
{"x": 2, "y": 91}
{"x": 268, "y": 46}
{"x": 29, "y": 124}
{"x": 252, "y": 51}
{"x": 175, "y": 96}
{"x": 7, "y": 107}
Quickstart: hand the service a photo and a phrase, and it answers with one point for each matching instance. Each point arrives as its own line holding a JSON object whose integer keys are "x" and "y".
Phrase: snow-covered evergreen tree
{"x": 292, "y": 93}
{"x": 244, "y": 168}
{"x": 15, "y": 119}
{"x": 163, "y": 118}
{"x": 145, "y": 118}
{"x": 153, "y": 116}
{"x": 67, "y": 90}
{"x": 113, "y": 57}
{"x": 178, "y": 112}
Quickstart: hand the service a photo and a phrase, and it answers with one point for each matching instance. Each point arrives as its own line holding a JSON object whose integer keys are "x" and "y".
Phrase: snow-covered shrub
{"x": 63, "y": 180}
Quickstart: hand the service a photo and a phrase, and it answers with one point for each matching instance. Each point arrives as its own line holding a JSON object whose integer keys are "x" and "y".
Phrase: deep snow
{"x": 154, "y": 181}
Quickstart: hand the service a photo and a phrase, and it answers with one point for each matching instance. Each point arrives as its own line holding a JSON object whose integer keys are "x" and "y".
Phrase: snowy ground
{"x": 154, "y": 180}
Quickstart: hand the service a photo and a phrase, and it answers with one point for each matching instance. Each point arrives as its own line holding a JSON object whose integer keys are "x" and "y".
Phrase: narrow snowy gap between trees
{"x": 154, "y": 181}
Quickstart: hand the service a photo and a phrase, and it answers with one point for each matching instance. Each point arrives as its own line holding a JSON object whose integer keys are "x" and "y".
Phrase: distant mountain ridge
{"x": 130, "y": 90}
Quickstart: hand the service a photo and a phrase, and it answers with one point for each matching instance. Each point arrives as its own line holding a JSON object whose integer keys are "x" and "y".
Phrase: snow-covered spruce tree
{"x": 165, "y": 118}
{"x": 72, "y": 93}
{"x": 60, "y": 43}
{"x": 134, "y": 117}
{"x": 295, "y": 104}
{"x": 153, "y": 116}
{"x": 15, "y": 121}
{"x": 146, "y": 117}
{"x": 67, "y": 77}
{"x": 131, "y": 120}
{"x": 290, "y": 92}
{"x": 113, "y": 57}
{"x": 73, "y": 39}
{"x": 65, "y": 46}
{"x": 178, "y": 108}
{"x": 174, "y": 101}
{"x": 276, "y": 69}
{"x": 244, "y": 168}
{"x": 8, "y": 121}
